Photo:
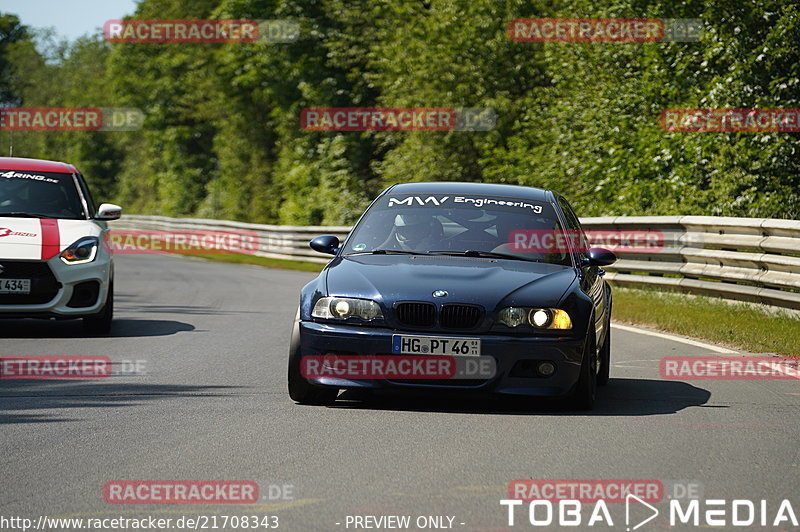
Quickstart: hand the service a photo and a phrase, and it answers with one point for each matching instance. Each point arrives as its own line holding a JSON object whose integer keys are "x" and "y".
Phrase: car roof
{"x": 482, "y": 189}
{"x": 36, "y": 165}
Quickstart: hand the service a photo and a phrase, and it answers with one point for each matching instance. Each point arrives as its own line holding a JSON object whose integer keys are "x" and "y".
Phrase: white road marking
{"x": 710, "y": 347}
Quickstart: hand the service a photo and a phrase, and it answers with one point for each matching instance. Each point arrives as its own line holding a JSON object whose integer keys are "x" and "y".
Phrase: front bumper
{"x": 565, "y": 352}
{"x": 70, "y": 295}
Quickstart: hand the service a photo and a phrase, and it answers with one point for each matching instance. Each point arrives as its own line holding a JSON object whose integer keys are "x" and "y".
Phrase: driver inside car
{"x": 414, "y": 232}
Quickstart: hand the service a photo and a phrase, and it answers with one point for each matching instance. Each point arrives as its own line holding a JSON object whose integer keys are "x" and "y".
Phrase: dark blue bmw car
{"x": 457, "y": 286}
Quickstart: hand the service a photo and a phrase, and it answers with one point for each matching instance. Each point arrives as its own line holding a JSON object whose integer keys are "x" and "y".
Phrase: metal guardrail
{"x": 288, "y": 242}
{"x": 744, "y": 259}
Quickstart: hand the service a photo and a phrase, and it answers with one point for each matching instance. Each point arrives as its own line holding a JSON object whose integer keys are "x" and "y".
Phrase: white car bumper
{"x": 66, "y": 291}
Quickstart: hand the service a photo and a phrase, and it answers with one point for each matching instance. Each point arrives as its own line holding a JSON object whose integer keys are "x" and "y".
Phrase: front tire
{"x": 300, "y": 390}
{"x": 100, "y": 323}
{"x": 585, "y": 391}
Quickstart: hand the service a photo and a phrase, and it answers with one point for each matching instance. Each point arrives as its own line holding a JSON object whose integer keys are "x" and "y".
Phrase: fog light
{"x": 546, "y": 369}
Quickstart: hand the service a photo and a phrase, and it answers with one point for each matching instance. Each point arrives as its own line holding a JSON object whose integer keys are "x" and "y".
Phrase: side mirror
{"x": 108, "y": 211}
{"x": 325, "y": 244}
{"x": 600, "y": 257}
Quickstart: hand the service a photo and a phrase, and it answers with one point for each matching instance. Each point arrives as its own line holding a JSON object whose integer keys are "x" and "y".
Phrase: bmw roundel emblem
{"x": 440, "y": 293}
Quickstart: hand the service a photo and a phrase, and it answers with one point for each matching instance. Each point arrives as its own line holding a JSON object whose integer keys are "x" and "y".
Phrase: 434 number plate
{"x": 15, "y": 286}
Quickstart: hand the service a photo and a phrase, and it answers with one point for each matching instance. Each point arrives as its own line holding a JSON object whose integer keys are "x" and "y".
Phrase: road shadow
{"x": 185, "y": 309}
{"x": 49, "y": 401}
{"x": 121, "y": 328}
{"x": 622, "y": 397}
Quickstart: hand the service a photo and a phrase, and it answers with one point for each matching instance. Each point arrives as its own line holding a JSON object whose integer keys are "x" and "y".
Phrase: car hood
{"x": 41, "y": 239}
{"x": 485, "y": 282}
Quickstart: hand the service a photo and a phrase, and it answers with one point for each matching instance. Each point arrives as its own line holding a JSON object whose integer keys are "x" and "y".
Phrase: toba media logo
{"x": 585, "y": 503}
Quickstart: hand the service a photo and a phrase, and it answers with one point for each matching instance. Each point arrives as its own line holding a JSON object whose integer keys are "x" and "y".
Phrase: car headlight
{"x": 541, "y": 318}
{"x": 81, "y": 252}
{"x": 342, "y": 308}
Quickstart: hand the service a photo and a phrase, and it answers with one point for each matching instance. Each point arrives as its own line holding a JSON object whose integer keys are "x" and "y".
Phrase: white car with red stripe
{"x": 54, "y": 260}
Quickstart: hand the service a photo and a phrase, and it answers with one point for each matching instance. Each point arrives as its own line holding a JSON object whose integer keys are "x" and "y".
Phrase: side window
{"x": 574, "y": 226}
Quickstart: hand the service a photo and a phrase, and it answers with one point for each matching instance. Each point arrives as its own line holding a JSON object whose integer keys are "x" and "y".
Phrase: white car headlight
{"x": 541, "y": 318}
{"x": 81, "y": 252}
{"x": 341, "y": 308}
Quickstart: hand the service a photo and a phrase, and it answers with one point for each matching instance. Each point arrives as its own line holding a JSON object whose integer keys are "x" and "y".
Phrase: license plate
{"x": 433, "y": 345}
{"x": 15, "y": 286}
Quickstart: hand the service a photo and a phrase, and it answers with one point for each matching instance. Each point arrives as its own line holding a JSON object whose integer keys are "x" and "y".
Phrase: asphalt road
{"x": 212, "y": 339}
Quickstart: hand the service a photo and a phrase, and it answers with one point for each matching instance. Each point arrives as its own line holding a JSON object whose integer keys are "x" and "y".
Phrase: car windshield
{"x": 486, "y": 226}
{"x": 39, "y": 195}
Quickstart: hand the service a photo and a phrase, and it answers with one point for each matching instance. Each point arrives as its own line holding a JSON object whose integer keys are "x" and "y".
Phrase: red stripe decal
{"x": 51, "y": 239}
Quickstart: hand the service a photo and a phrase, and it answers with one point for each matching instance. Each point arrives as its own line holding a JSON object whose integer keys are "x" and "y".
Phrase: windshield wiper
{"x": 24, "y": 215}
{"x": 388, "y": 252}
{"x": 485, "y": 254}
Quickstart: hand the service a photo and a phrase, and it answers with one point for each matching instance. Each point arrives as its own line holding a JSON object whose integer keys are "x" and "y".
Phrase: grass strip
{"x": 738, "y": 325}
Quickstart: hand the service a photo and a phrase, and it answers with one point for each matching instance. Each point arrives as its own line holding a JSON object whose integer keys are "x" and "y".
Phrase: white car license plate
{"x": 433, "y": 345}
{"x": 15, "y": 286}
